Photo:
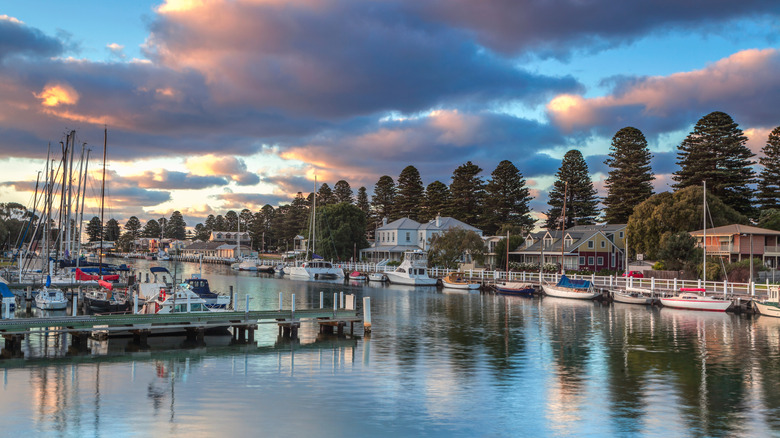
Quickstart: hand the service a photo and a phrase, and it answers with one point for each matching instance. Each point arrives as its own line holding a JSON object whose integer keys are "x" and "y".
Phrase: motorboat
{"x": 316, "y": 269}
{"x": 357, "y": 276}
{"x": 633, "y": 296}
{"x": 246, "y": 264}
{"x": 201, "y": 288}
{"x": 377, "y": 276}
{"x": 695, "y": 299}
{"x": 458, "y": 280}
{"x": 515, "y": 288}
{"x": 568, "y": 288}
{"x": 412, "y": 271}
{"x": 179, "y": 299}
{"x": 771, "y": 306}
{"x": 51, "y": 299}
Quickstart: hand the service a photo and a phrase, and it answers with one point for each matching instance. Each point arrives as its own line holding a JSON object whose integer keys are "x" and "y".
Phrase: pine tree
{"x": 409, "y": 193}
{"x": 362, "y": 201}
{"x": 94, "y": 229}
{"x": 176, "y": 228}
{"x": 219, "y": 223}
{"x": 343, "y": 192}
{"x": 210, "y": 223}
{"x": 436, "y": 202}
{"x": 383, "y": 201}
{"x": 325, "y": 196}
{"x": 111, "y": 231}
{"x": 581, "y": 200}
{"x": 715, "y": 151}
{"x": 133, "y": 227}
{"x": 468, "y": 193}
{"x": 769, "y": 178}
{"x": 507, "y": 199}
{"x": 630, "y": 181}
{"x": 151, "y": 229}
{"x": 231, "y": 221}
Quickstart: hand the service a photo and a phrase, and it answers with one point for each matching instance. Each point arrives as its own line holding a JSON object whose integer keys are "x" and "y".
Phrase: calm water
{"x": 436, "y": 364}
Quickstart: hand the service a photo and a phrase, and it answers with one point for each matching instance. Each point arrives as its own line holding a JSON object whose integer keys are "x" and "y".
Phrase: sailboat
{"x": 46, "y": 298}
{"x": 696, "y": 298}
{"x": 315, "y": 268}
{"x": 632, "y": 295}
{"x": 513, "y": 287}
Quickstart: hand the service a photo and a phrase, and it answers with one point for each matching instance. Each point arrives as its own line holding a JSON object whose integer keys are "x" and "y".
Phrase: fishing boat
{"x": 213, "y": 300}
{"x": 771, "y": 306}
{"x": 695, "y": 299}
{"x": 568, "y": 288}
{"x": 413, "y": 271}
{"x": 179, "y": 299}
{"x": 246, "y": 264}
{"x": 515, "y": 288}
{"x": 633, "y": 296}
{"x": 377, "y": 276}
{"x": 457, "y": 280}
{"x": 357, "y": 276}
{"x": 316, "y": 268}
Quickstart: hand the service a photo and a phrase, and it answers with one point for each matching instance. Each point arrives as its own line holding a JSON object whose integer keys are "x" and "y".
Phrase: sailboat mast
{"x": 314, "y": 219}
{"x": 507, "y": 255}
{"x": 81, "y": 213}
{"x": 102, "y": 201}
{"x": 704, "y": 220}
{"x": 563, "y": 222}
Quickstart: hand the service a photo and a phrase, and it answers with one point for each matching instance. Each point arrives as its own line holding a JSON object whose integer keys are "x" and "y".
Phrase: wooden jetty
{"x": 194, "y": 325}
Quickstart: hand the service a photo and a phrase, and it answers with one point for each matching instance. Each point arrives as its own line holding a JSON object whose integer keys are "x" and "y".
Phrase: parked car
{"x": 635, "y": 274}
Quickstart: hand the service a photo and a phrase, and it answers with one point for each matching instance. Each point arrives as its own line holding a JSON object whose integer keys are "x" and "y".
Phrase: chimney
{"x": 384, "y": 221}
{"x": 438, "y": 220}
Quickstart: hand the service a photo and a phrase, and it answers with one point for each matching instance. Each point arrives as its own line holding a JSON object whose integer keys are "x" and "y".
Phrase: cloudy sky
{"x": 212, "y": 105}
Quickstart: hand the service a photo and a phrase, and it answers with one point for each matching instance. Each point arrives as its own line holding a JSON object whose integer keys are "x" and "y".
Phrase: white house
{"x": 394, "y": 238}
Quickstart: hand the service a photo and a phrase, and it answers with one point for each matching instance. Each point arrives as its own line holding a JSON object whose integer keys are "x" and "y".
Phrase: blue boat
{"x": 513, "y": 288}
{"x": 5, "y": 292}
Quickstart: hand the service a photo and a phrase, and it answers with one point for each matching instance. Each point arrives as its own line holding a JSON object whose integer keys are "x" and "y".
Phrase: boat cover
{"x": 156, "y": 269}
{"x": 576, "y": 284}
{"x": 5, "y": 292}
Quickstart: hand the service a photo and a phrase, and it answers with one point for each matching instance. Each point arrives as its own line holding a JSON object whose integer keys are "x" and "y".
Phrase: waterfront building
{"x": 583, "y": 247}
{"x": 737, "y": 242}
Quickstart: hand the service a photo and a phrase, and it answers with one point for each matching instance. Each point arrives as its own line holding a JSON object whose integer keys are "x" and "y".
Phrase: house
{"x": 229, "y": 237}
{"x": 737, "y": 242}
{"x": 394, "y": 238}
{"x": 583, "y": 247}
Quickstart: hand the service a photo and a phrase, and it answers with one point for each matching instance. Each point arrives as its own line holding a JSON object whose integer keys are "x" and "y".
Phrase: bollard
{"x": 147, "y": 277}
{"x": 341, "y": 299}
{"x": 675, "y": 283}
{"x": 335, "y": 301}
{"x": 232, "y": 303}
{"x": 293, "y": 305}
{"x": 652, "y": 283}
{"x": 189, "y": 305}
{"x": 367, "y": 314}
{"x": 322, "y": 299}
{"x": 247, "y": 304}
{"x": 280, "y": 301}
{"x": 75, "y": 305}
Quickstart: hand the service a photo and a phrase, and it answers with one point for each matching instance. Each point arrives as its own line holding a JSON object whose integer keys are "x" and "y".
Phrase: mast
{"x": 238, "y": 237}
{"x": 563, "y": 222}
{"x": 102, "y": 201}
{"x": 81, "y": 213}
{"x": 507, "y": 255}
{"x": 704, "y": 219}
{"x": 313, "y": 233}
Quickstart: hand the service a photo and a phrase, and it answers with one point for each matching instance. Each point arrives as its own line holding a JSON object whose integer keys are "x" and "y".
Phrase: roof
{"x": 578, "y": 237}
{"x": 730, "y": 230}
{"x": 200, "y": 246}
{"x": 394, "y": 248}
{"x": 404, "y": 223}
{"x": 446, "y": 223}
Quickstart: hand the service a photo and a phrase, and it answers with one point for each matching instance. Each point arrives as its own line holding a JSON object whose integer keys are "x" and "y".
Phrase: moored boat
{"x": 213, "y": 300}
{"x": 457, "y": 280}
{"x": 377, "y": 276}
{"x": 695, "y": 299}
{"x": 633, "y": 296}
{"x": 515, "y": 288}
{"x": 51, "y": 299}
{"x": 568, "y": 288}
{"x": 357, "y": 276}
{"x": 771, "y": 306}
{"x": 413, "y": 271}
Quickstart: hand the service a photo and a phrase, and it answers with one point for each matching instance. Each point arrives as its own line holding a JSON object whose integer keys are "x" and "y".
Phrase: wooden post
{"x": 341, "y": 299}
{"x": 335, "y": 301}
{"x": 280, "y": 301}
{"x": 322, "y": 299}
{"x": 232, "y": 302}
{"x": 367, "y": 314}
{"x": 75, "y": 305}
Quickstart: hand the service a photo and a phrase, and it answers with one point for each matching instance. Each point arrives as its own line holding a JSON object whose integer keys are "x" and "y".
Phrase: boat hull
{"x": 767, "y": 309}
{"x": 463, "y": 286}
{"x": 393, "y": 277}
{"x": 564, "y": 292}
{"x": 51, "y": 305}
{"x": 510, "y": 290}
{"x": 377, "y": 277}
{"x": 620, "y": 297}
{"x": 696, "y": 304}
{"x": 314, "y": 273}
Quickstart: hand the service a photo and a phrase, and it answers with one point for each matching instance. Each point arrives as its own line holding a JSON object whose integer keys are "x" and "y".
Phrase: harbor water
{"x": 437, "y": 363}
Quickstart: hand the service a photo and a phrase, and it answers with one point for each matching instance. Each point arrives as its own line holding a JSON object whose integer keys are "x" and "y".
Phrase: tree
{"x": 325, "y": 195}
{"x": 454, "y": 245}
{"x": 202, "y": 233}
{"x": 151, "y": 229}
{"x": 514, "y": 242}
{"x": 231, "y": 221}
{"x": 409, "y": 194}
{"x": 573, "y": 179}
{"x": 111, "y": 231}
{"x": 768, "y": 195}
{"x": 770, "y": 219}
{"x": 245, "y": 218}
{"x": 383, "y": 200}
{"x": 176, "y": 228}
{"x": 436, "y": 202}
{"x": 133, "y": 227}
{"x": 340, "y": 231}
{"x": 715, "y": 152}
{"x": 362, "y": 201}
{"x": 678, "y": 252}
{"x": 94, "y": 229}
{"x": 507, "y": 199}
{"x": 210, "y": 223}
{"x": 467, "y": 193}
{"x": 630, "y": 180}
{"x": 220, "y": 224}
{"x": 667, "y": 213}
{"x": 163, "y": 222}
{"x": 125, "y": 242}
{"x": 343, "y": 192}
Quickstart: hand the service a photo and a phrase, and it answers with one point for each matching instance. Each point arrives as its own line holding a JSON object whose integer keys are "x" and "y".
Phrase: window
{"x": 613, "y": 259}
{"x": 590, "y": 244}
{"x": 408, "y": 236}
{"x": 600, "y": 261}
{"x": 582, "y": 261}
{"x": 603, "y": 244}
{"x": 620, "y": 234}
{"x": 590, "y": 261}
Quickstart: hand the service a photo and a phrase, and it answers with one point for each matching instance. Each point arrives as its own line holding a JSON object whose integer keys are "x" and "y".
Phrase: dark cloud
{"x": 172, "y": 180}
{"x": 17, "y": 39}
{"x": 556, "y": 27}
{"x": 252, "y": 201}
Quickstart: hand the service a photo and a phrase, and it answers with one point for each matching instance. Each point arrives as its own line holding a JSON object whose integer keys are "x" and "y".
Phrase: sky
{"x": 213, "y": 105}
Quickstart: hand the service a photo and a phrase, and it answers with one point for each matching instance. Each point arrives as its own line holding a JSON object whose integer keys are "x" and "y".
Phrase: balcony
{"x": 723, "y": 249}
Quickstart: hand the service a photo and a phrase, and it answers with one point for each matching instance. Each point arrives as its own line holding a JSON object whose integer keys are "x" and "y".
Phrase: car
{"x": 635, "y": 274}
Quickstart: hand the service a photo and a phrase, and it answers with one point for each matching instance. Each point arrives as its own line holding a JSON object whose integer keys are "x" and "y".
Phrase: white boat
{"x": 377, "y": 276}
{"x": 694, "y": 299}
{"x": 412, "y": 271}
{"x": 567, "y": 288}
{"x": 358, "y": 276}
{"x": 633, "y": 296}
{"x": 51, "y": 299}
{"x": 181, "y": 299}
{"x": 457, "y": 280}
{"x": 246, "y": 264}
{"x": 771, "y": 306}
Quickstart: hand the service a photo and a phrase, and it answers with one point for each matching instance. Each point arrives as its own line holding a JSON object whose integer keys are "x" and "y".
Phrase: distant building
{"x": 229, "y": 237}
{"x": 583, "y": 247}
{"x": 736, "y": 242}
{"x": 394, "y": 238}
